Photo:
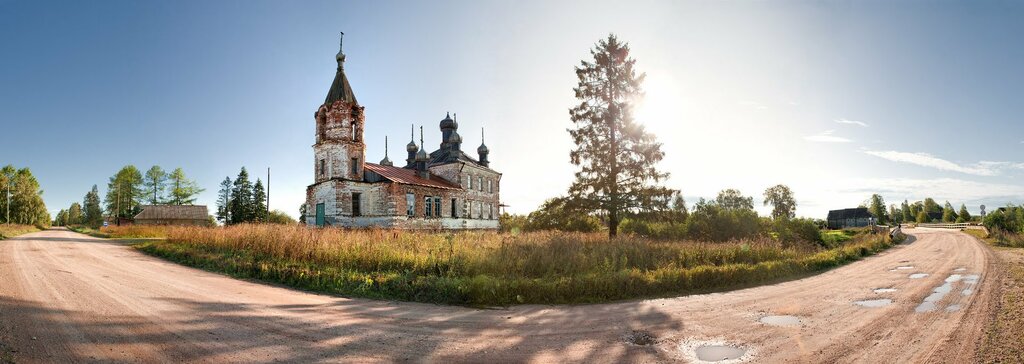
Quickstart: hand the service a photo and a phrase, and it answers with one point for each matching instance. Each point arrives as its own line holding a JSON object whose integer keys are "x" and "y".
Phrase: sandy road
{"x": 65, "y": 297}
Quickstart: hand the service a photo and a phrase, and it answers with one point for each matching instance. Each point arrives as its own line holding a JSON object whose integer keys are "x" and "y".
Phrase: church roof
{"x": 408, "y": 177}
{"x": 340, "y": 89}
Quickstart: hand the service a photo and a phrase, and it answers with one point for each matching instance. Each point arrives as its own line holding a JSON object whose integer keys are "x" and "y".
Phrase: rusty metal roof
{"x": 408, "y": 176}
{"x": 173, "y": 212}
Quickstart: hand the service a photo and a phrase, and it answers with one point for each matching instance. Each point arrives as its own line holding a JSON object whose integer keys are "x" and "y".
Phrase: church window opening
{"x": 410, "y": 204}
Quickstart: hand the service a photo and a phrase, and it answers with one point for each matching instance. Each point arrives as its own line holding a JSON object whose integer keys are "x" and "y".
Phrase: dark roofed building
{"x": 173, "y": 215}
{"x": 847, "y": 218}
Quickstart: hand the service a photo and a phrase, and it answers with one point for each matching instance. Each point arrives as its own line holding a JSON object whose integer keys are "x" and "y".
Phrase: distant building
{"x": 847, "y": 218}
{"x": 443, "y": 189}
{"x": 173, "y": 215}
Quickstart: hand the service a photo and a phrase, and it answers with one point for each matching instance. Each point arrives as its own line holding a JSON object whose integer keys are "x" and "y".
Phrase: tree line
{"x": 21, "y": 198}
{"x": 242, "y": 201}
{"x": 730, "y": 215}
{"x": 127, "y": 191}
{"x": 925, "y": 211}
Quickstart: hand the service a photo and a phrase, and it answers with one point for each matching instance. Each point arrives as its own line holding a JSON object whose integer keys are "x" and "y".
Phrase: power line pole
{"x": 268, "y": 189}
{"x": 8, "y": 183}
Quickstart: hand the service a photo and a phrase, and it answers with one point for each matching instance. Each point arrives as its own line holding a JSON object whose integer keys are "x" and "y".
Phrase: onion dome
{"x": 448, "y": 123}
{"x": 455, "y": 138}
{"x": 482, "y": 149}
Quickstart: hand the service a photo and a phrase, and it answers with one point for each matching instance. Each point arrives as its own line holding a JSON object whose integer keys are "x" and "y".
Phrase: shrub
{"x": 711, "y": 222}
{"x": 792, "y": 230}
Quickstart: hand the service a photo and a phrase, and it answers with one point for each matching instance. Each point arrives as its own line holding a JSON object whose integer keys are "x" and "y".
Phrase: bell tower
{"x": 339, "y": 152}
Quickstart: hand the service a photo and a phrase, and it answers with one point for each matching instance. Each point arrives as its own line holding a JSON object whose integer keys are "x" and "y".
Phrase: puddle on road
{"x": 960, "y": 270}
{"x": 971, "y": 279}
{"x": 874, "y": 303}
{"x": 967, "y": 292}
{"x": 905, "y": 267}
{"x": 719, "y": 352}
{"x": 953, "y": 308}
{"x": 925, "y": 307}
{"x": 885, "y": 290}
{"x": 781, "y": 320}
{"x": 918, "y": 275}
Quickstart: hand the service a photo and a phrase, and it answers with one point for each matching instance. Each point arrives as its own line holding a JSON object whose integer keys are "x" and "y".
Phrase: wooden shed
{"x": 173, "y": 215}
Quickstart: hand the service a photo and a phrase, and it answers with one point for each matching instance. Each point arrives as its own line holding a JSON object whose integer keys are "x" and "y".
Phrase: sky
{"x": 836, "y": 99}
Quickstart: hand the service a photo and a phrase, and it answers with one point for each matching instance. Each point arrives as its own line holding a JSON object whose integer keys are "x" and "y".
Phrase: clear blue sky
{"x": 837, "y": 99}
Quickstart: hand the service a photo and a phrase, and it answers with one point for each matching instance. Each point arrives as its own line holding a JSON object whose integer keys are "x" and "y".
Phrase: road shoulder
{"x": 1003, "y": 340}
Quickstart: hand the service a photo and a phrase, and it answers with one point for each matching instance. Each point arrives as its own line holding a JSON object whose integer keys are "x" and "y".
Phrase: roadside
{"x": 1003, "y": 341}
{"x": 12, "y": 230}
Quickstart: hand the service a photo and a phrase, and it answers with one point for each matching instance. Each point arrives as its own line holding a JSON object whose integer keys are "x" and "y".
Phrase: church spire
{"x": 340, "y": 89}
{"x": 386, "y": 161}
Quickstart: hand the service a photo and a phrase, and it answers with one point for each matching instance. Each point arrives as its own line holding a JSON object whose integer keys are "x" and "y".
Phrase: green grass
{"x": 12, "y": 230}
{"x": 489, "y": 269}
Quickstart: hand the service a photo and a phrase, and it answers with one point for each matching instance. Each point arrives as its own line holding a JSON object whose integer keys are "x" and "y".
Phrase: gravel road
{"x": 66, "y": 297}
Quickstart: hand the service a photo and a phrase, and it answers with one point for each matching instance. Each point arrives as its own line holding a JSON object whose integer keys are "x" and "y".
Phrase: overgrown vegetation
{"x": 12, "y": 230}
{"x": 477, "y": 268}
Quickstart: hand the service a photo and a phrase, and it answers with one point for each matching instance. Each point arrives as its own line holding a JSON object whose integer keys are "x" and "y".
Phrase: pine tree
{"x": 259, "y": 202}
{"x": 155, "y": 184}
{"x": 964, "y": 214}
{"x": 241, "y": 199}
{"x": 93, "y": 214}
{"x": 615, "y": 154}
{"x": 224, "y": 201}
{"x": 183, "y": 190}
{"x": 124, "y": 192}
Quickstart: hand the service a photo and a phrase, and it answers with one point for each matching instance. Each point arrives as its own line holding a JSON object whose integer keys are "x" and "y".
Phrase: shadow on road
{"x": 342, "y": 330}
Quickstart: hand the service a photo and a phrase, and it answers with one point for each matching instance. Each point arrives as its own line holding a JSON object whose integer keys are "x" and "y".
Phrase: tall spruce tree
{"x": 259, "y": 202}
{"x": 224, "y": 201}
{"x": 241, "y": 199}
{"x": 93, "y": 214}
{"x": 615, "y": 154}
{"x": 183, "y": 190}
{"x": 155, "y": 185}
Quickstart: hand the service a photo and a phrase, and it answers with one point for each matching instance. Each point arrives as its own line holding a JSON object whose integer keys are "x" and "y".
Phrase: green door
{"x": 319, "y": 214}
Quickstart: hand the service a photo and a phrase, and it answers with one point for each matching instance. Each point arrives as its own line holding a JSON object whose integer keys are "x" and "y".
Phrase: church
{"x": 445, "y": 189}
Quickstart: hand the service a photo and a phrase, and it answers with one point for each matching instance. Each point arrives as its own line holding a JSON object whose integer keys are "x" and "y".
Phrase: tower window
{"x": 410, "y": 204}
{"x": 356, "y": 206}
{"x": 355, "y": 167}
{"x": 469, "y": 182}
{"x": 480, "y": 183}
{"x": 490, "y": 189}
{"x": 323, "y": 167}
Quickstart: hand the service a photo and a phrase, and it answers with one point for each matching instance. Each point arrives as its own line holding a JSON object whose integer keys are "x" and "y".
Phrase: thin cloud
{"x": 852, "y": 122}
{"x": 941, "y": 189}
{"x": 826, "y": 137}
{"x": 983, "y": 168}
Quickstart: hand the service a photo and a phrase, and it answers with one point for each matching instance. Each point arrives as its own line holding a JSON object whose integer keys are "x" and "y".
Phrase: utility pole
{"x": 268, "y": 184}
{"x": 8, "y": 183}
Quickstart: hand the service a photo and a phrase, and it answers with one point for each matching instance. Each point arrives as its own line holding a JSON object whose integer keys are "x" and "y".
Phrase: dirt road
{"x": 65, "y": 297}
